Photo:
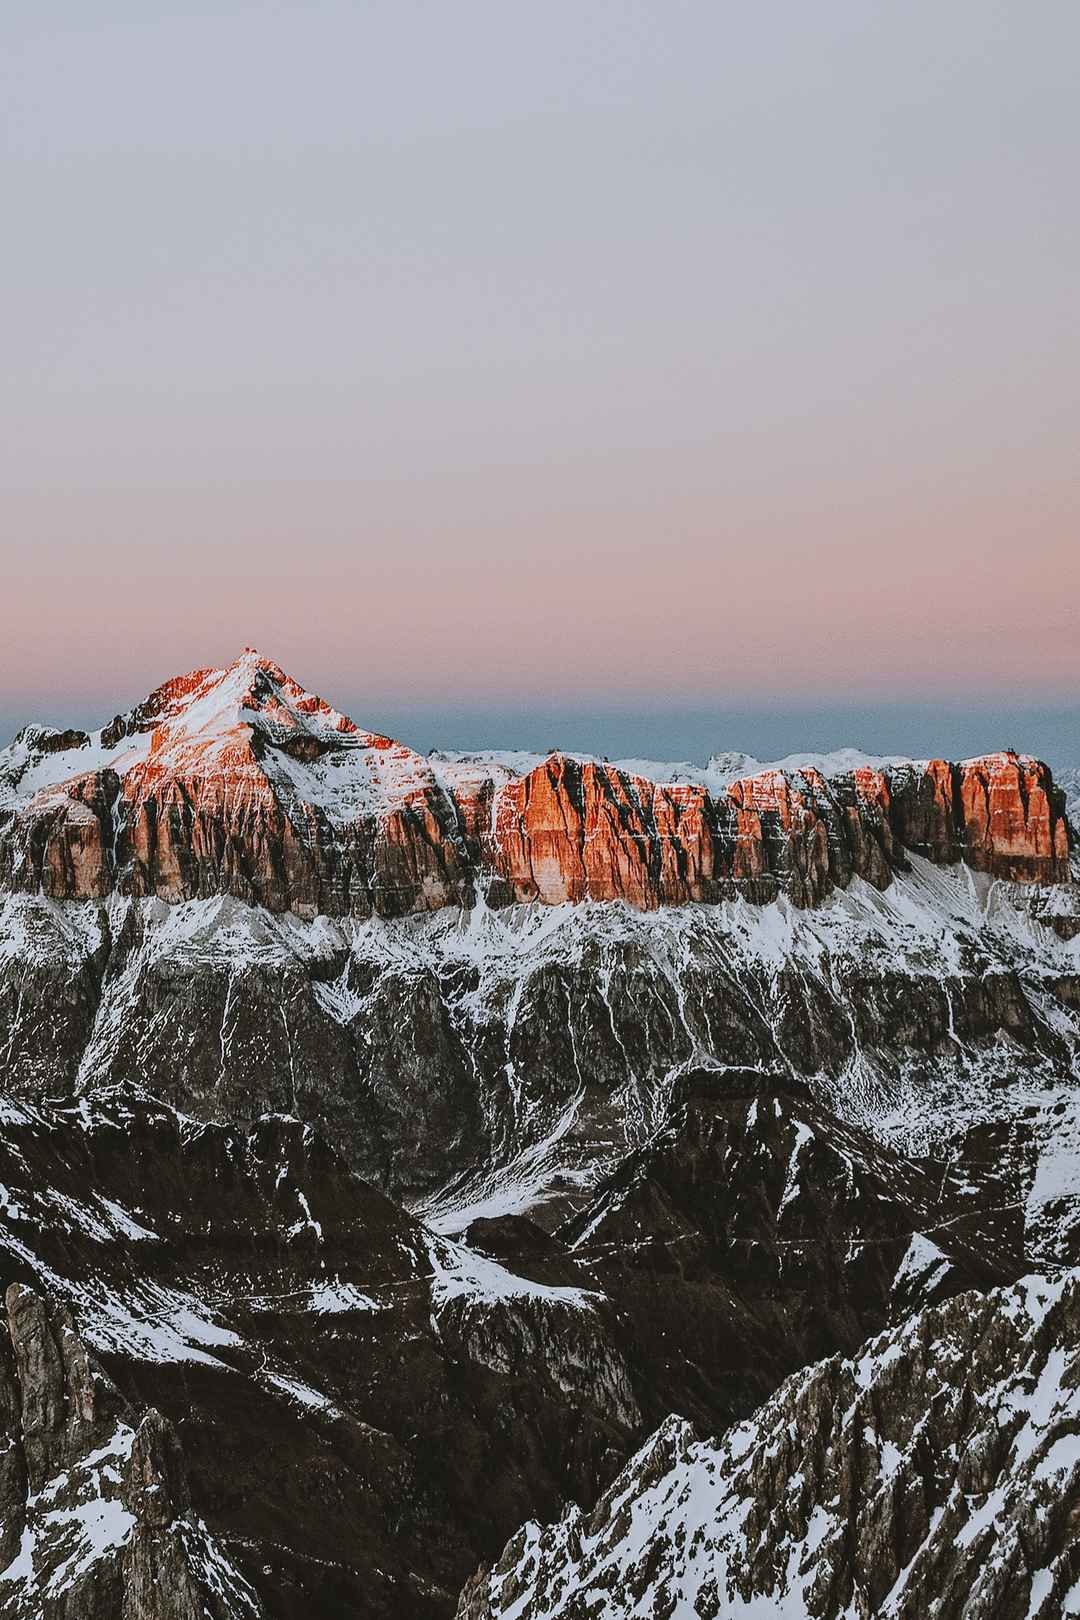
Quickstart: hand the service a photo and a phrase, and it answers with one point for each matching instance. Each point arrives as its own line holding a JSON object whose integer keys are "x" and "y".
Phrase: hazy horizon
{"x": 664, "y": 732}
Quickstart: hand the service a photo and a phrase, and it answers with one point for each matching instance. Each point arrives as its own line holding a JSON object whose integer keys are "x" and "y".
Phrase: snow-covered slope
{"x": 336, "y": 1373}
{"x": 504, "y": 1051}
{"x": 248, "y": 722}
{"x": 936, "y": 1472}
{"x": 686, "y": 1075}
{"x": 1069, "y": 782}
{"x": 95, "y": 1512}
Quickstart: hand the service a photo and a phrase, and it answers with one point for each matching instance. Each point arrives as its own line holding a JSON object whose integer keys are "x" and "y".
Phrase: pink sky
{"x": 639, "y": 586}
{"x": 582, "y": 356}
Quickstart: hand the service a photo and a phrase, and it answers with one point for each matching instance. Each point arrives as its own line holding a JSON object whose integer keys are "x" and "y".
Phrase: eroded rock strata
{"x": 802, "y": 1234}
{"x": 238, "y": 781}
{"x": 364, "y": 1406}
{"x": 690, "y": 1078}
{"x": 938, "y": 1472}
{"x": 367, "y": 1408}
{"x": 96, "y": 1521}
{"x": 517, "y": 1053}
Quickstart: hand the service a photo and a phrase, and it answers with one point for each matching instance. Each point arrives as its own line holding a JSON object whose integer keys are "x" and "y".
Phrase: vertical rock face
{"x": 61, "y": 1402}
{"x": 927, "y": 813}
{"x": 156, "y": 1488}
{"x": 95, "y": 1512}
{"x": 238, "y": 781}
{"x": 232, "y": 781}
{"x": 1013, "y": 819}
{"x": 14, "y": 1485}
{"x": 1001, "y": 814}
{"x": 256, "y": 788}
{"x": 571, "y": 830}
{"x": 937, "y": 1473}
{"x": 171, "y": 1568}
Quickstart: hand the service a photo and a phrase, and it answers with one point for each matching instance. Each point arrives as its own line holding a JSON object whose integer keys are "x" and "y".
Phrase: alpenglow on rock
{"x": 238, "y": 781}
{"x": 406, "y": 1138}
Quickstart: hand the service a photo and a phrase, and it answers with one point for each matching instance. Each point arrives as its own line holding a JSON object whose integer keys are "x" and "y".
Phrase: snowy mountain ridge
{"x": 839, "y": 1499}
{"x": 403, "y": 1139}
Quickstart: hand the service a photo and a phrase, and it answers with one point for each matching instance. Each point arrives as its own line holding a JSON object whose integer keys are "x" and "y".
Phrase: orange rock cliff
{"x": 240, "y": 782}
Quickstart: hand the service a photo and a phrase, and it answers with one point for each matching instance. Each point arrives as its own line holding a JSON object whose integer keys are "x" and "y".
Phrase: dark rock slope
{"x": 96, "y": 1521}
{"x": 514, "y": 1055}
{"x": 756, "y": 1232}
{"x": 936, "y": 1473}
{"x": 365, "y": 1408}
{"x": 690, "y": 1078}
{"x": 282, "y": 913}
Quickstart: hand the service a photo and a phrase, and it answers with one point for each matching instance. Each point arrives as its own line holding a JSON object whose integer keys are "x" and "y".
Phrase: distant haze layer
{"x": 665, "y": 731}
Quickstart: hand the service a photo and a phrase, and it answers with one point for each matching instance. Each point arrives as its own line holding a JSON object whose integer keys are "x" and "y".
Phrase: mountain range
{"x": 519, "y": 1186}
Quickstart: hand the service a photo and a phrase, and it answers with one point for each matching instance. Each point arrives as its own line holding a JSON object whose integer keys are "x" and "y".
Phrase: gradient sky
{"x": 503, "y": 368}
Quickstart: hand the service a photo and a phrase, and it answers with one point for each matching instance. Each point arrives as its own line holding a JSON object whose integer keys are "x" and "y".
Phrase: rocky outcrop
{"x": 96, "y": 1521}
{"x": 62, "y": 1402}
{"x": 536, "y": 1314}
{"x": 238, "y": 781}
{"x": 756, "y": 1207}
{"x": 747, "y": 1135}
{"x": 447, "y": 1052}
{"x": 358, "y": 1394}
{"x": 353, "y": 1394}
{"x": 172, "y": 1569}
{"x": 936, "y": 1473}
{"x": 232, "y": 781}
{"x": 571, "y": 830}
{"x": 1001, "y": 814}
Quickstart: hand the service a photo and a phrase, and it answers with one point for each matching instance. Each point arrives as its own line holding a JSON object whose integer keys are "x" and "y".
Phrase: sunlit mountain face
{"x": 398, "y": 1148}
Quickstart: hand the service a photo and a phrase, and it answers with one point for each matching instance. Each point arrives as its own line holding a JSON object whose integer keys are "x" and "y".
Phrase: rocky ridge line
{"x": 96, "y": 1521}
{"x": 238, "y": 781}
{"x": 938, "y": 1472}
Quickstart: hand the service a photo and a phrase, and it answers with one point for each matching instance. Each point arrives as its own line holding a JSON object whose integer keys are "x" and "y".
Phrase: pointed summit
{"x": 233, "y": 780}
{"x": 239, "y": 780}
{"x": 214, "y": 712}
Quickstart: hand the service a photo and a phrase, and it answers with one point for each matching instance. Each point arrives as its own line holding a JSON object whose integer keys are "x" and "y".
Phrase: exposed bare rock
{"x": 172, "y": 1569}
{"x": 353, "y": 1393}
{"x": 95, "y": 1512}
{"x": 523, "y": 1044}
{"x": 14, "y": 1485}
{"x": 755, "y": 1207}
{"x": 770, "y": 1056}
{"x": 938, "y": 1472}
{"x": 1014, "y": 820}
{"x": 358, "y": 1394}
{"x": 238, "y": 781}
{"x": 63, "y": 1403}
{"x": 232, "y": 781}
